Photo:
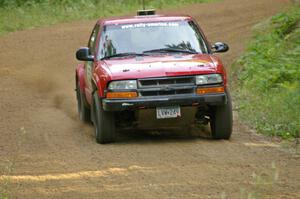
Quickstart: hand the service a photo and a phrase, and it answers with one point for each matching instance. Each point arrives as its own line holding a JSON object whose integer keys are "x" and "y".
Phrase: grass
{"x": 6, "y": 185}
{"x": 261, "y": 185}
{"x": 4, "y": 182}
{"x": 24, "y": 14}
{"x": 267, "y": 77}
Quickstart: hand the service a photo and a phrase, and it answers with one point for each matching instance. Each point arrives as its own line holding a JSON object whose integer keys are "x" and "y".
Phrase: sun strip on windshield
{"x": 153, "y": 24}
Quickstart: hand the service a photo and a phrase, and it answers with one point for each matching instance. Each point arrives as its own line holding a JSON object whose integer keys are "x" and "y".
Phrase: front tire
{"x": 83, "y": 110}
{"x": 104, "y": 122}
{"x": 221, "y": 120}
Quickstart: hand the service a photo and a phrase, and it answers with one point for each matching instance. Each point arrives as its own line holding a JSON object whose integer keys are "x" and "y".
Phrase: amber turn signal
{"x": 113, "y": 95}
{"x": 202, "y": 91}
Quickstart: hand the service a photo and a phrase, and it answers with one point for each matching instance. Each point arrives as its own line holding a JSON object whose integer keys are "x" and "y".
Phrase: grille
{"x": 166, "y": 86}
{"x": 166, "y": 81}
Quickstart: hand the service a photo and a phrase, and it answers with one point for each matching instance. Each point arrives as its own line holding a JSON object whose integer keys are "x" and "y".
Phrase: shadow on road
{"x": 129, "y": 136}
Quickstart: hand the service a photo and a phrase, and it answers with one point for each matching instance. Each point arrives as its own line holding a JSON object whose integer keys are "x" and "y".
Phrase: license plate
{"x": 168, "y": 112}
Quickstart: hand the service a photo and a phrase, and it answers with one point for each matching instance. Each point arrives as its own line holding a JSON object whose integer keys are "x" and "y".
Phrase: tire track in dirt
{"x": 41, "y": 132}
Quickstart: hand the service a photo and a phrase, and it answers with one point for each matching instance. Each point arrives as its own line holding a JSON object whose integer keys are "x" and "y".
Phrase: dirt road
{"x": 51, "y": 154}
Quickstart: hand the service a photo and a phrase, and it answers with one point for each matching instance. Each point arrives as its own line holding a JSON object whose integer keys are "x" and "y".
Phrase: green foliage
{"x": 22, "y": 14}
{"x": 268, "y": 77}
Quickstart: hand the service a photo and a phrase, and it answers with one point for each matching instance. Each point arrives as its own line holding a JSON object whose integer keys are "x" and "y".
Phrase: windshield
{"x": 154, "y": 37}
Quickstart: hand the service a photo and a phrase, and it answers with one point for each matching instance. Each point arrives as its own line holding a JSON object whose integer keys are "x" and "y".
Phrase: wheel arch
{"x": 79, "y": 76}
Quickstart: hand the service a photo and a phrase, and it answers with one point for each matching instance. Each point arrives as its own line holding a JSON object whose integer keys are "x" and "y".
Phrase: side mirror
{"x": 83, "y": 54}
{"x": 220, "y": 47}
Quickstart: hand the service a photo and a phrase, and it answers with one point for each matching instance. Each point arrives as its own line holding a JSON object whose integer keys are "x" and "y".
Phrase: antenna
{"x": 143, "y": 2}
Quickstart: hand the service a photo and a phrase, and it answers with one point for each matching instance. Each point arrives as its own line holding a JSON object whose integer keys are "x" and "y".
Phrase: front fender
{"x": 220, "y": 68}
{"x": 101, "y": 77}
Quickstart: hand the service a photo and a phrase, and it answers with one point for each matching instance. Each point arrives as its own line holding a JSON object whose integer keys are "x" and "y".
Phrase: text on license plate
{"x": 168, "y": 112}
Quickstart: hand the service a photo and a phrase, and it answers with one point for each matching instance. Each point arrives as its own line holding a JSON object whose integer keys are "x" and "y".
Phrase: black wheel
{"x": 104, "y": 122}
{"x": 83, "y": 109}
{"x": 221, "y": 120}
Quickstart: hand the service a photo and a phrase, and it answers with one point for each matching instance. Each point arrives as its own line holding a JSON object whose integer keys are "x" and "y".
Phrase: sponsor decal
{"x": 146, "y": 25}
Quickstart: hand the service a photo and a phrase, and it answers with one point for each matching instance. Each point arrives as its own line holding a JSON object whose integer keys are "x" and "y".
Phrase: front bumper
{"x": 152, "y": 102}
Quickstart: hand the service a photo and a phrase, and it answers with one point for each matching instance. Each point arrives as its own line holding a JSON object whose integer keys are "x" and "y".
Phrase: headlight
{"x": 209, "y": 79}
{"x": 123, "y": 85}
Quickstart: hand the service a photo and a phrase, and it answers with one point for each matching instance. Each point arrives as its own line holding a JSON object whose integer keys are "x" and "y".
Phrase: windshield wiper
{"x": 175, "y": 50}
{"x": 124, "y": 55}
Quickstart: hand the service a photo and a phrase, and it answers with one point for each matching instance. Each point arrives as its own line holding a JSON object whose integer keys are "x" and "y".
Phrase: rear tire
{"x": 104, "y": 122}
{"x": 221, "y": 120}
{"x": 83, "y": 110}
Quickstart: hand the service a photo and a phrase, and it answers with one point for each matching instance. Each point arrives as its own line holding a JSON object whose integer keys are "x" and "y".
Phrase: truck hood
{"x": 159, "y": 66}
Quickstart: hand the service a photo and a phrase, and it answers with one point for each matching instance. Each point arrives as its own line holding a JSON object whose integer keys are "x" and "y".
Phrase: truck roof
{"x": 142, "y": 19}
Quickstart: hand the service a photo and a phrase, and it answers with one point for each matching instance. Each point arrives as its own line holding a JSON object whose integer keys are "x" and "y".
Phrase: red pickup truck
{"x": 152, "y": 72}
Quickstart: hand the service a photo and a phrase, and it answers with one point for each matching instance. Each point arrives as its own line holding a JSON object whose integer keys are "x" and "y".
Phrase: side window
{"x": 89, "y": 64}
{"x": 107, "y": 44}
{"x": 92, "y": 41}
